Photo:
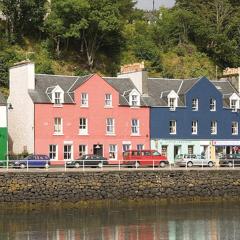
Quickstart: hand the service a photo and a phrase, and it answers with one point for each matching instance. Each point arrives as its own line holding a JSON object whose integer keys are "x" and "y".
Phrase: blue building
{"x": 193, "y": 116}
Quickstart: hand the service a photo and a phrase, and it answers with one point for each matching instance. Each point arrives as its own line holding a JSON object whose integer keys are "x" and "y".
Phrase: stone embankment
{"x": 78, "y": 186}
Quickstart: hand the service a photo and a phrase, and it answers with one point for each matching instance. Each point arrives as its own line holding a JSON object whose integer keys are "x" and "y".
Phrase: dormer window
{"x": 84, "y": 99}
{"x": 57, "y": 96}
{"x": 57, "y": 99}
{"x": 172, "y": 103}
{"x": 172, "y": 100}
{"x": 233, "y": 105}
{"x": 134, "y": 98}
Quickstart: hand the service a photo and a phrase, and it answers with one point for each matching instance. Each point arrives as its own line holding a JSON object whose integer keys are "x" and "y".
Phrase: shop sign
{"x": 226, "y": 143}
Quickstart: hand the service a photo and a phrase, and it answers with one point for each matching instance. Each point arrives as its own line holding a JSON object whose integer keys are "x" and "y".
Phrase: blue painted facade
{"x": 203, "y": 90}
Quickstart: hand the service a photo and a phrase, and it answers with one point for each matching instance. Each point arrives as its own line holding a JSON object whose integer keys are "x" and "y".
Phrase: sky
{"x": 148, "y": 4}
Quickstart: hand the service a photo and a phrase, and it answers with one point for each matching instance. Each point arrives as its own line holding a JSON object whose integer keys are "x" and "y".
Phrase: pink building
{"x": 67, "y": 116}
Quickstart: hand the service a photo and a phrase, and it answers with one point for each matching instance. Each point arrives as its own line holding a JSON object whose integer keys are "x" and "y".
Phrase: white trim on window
{"x": 83, "y": 126}
{"x": 68, "y": 152}
{"x": 213, "y": 105}
{"x": 172, "y": 127}
{"x": 194, "y": 127}
{"x": 135, "y": 127}
{"x": 108, "y": 100}
{"x": 84, "y": 99}
{"x": 53, "y": 151}
{"x": 213, "y": 127}
{"x": 195, "y": 104}
{"x": 58, "y": 126}
{"x": 113, "y": 152}
{"x": 234, "y": 128}
{"x": 82, "y": 149}
{"x": 110, "y": 126}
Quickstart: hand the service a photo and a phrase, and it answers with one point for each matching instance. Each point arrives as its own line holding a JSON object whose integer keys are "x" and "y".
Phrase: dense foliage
{"x": 191, "y": 39}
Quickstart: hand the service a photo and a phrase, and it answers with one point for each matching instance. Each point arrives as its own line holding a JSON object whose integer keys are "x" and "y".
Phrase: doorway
{"x": 177, "y": 151}
{"x": 98, "y": 149}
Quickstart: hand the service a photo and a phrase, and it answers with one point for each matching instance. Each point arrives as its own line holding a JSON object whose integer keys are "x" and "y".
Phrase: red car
{"x": 144, "y": 158}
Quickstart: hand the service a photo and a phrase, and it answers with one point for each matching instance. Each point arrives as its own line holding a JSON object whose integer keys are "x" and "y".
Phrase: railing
{"x": 102, "y": 165}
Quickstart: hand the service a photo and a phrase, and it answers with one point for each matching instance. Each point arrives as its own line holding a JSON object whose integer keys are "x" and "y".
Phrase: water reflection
{"x": 153, "y": 222}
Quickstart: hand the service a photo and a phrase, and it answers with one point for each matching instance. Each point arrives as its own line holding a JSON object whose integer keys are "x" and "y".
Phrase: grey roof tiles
{"x": 158, "y": 89}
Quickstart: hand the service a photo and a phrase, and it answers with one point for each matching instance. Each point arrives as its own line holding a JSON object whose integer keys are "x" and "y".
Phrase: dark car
{"x": 229, "y": 160}
{"x": 88, "y": 160}
{"x": 31, "y": 161}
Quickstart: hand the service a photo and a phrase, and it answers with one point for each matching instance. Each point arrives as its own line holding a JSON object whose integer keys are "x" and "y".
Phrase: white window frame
{"x": 195, "y": 104}
{"x": 58, "y": 126}
{"x": 235, "y": 128}
{"x": 213, "y": 127}
{"x": 108, "y": 100}
{"x": 83, "y": 152}
{"x": 84, "y": 99}
{"x": 135, "y": 127}
{"x": 83, "y": 126}
{"x": 173, "y": 127}
{"x": 172, "y": 103}
{"x": 213, "y": 105}
{"x": 110, "y": 126}
{"x": 53, "y": 151}
{"x": 113, "y": 152}
{"x": 57, "y": 96}
{"x": 194, "y": 127}
{"x": 233, "y": 106}
{"x": 134, "y": 98}
{"x": 69, "y": 153}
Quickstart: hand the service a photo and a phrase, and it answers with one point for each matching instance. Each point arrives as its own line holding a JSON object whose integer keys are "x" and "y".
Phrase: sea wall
{"x": 78, "y": 186}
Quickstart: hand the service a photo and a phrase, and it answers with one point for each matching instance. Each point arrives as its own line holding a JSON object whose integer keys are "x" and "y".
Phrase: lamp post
{"x": 9, "y": 107}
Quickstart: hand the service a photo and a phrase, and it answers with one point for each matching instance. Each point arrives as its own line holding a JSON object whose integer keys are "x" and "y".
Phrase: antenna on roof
{"x": 216, "y": 72}
{"x": 153, "y": 5}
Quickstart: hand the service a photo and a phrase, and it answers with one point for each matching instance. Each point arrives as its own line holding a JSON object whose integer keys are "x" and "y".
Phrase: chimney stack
{"x": 137, "y": 73}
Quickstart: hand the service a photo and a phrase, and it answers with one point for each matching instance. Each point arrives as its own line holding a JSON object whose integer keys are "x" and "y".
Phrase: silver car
{"x": 190, "y": 160}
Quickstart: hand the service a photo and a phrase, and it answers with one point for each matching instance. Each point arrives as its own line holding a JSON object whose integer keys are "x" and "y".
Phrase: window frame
{"x": 135, "y": 127}
{"x": 83, "y": 127}
{"x": 67, "y": 152}
{"x": 84, "y": 99}
{"x": 194, "y": 127}
{"x": 110, "y": 127}
{"x": 234, "y": 133}
{"x": 58, "y": 130}
{"x": 195, "y": 104}
{"x": 212, "y": 105}
{"x": 53, "y": 152}
{"x": 113, "y": 153}
{"x": 108, "y": 102}
{"x": 173, "y": 127}
{"x": 83, "y": 152}
{"x": 213, "y": 127}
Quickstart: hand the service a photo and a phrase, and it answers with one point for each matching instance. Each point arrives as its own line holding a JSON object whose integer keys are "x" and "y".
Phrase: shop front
{"x": 226, "y": 147}
{"x": 172, "y": 148}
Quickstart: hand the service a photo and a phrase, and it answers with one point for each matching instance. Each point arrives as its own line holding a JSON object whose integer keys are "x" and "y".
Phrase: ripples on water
{"x": 114, "y": 222}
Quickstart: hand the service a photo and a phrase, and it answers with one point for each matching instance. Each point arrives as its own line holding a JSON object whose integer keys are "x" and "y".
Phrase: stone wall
{"x": 77, "y": 186}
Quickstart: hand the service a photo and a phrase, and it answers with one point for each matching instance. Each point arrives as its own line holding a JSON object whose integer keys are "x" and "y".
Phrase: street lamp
{"x": 9, "y": 107}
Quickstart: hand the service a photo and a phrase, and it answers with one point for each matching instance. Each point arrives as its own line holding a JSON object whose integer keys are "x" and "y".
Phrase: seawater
{"x": 185, "y": 221}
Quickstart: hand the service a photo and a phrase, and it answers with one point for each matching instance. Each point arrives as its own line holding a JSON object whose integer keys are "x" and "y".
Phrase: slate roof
{"x": 2, "y": 99}
{"x": 158, "y": 89}
{"x": 44, "y": 84}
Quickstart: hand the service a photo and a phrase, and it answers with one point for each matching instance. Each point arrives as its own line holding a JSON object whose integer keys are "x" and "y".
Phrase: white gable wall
{"x": 21, "y": 117}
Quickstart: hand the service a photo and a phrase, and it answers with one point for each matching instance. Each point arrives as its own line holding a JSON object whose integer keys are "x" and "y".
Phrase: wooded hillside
{"x": 194, "y": 38}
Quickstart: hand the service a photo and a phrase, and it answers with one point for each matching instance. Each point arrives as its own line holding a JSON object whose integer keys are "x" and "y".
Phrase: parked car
{"x": 190, "y": 160}
{"x": 88, "y": 160}
{"x": 229, "y": 160}
{"x": 139, "y": 158}
{"x": 31, "y": 161}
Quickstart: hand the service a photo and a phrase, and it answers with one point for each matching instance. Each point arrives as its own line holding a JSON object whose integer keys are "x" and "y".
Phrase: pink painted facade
{"x": 96, "y": 114}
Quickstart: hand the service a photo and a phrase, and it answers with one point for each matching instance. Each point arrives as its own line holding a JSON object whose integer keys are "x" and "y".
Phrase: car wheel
{"x": 137, "y": 164}
{"x": 22, "y": 165}
{"x": 189, "y": 164}
{"x": 100, "y": 165}
{"x": 162, "y": 164}
{"x": 230, "y": 164}
{"x": 210, "y": 164}
{"x": 46, "y": 165}
{"x": 76, "y": 165}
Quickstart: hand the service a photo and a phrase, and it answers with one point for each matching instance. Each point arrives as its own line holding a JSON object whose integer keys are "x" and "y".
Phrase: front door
{"x": 177, "y": 150}
{"x": 98, "y": 149}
